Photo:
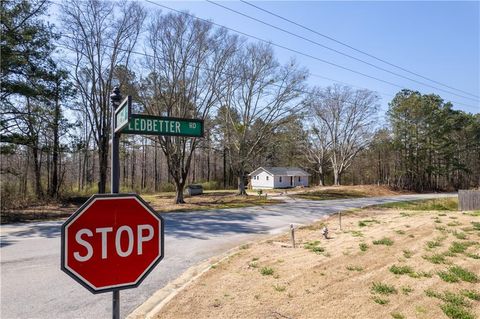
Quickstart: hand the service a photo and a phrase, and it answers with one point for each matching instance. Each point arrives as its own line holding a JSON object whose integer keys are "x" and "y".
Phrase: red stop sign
{"x": 112, "y": 242}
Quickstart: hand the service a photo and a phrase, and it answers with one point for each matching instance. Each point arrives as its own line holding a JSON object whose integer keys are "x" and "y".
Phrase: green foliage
{"x": 384, "y": 241}
{"x": 354, "y": 268}
{"x": 279, "y": 288}
{"x": 363, "y": 246}
{"x": 459, "y": 235}
{"x": 435, "y": 258}
{"x": 457, "y": 247}
{"x": 455, "y": 304}
{"x": 427, "y": 132}
{"x": 471, "y": 294}
{"x": 457, "y": 273}
{"x": 434, "y": 243}
{"x": 401, "y": 270}
{"x": 443, "y": 204}
{"x": 397, "y": 315}
{"x": 313, "y": 246}
{"x": 448, "y": 276}
{"x": 383, "y": 289}
{"x": 464, "y": 274}
{"x": 381, "y": 301}
{"x": 406, "y": 290}
{"x": 266, "y": 271}
{"x": 407, "y": 253}
{"x": 456, "y": 312}
{"x": 476, "y": 225}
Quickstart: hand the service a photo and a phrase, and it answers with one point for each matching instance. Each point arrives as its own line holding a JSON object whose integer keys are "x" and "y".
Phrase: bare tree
{"x": 187, "y": 62}
{"x": 260, "y": 99}
{"x": 102, "y": 35}
{"x": 349, "y": 118}
{"x": 317, "y": 147}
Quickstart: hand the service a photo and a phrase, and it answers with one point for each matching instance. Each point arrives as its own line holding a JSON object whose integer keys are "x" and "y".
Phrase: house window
{"x": 280, "y": 179}
{"x": 299, "y": 178}
{"x": 267, "y": 178}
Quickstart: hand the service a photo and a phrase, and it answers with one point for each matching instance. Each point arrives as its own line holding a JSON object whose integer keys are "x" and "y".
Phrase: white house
{"x": 278, "y": 177}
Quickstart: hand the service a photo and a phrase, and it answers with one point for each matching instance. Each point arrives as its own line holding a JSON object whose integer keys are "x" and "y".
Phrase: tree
{"x": 435, "y": 143}
{"x": 349, "y": 118}
{"x": 260, "y": 98}
{"x": 186, "y": 81}
{"x": 316, "y": 149}
{"x": 102, "y": 35}
{"x": 30, "y": 82}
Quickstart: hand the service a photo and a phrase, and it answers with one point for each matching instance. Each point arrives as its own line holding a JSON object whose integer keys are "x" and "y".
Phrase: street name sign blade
{"x": 123, "y": 114}
{"x": 157, "y": 125}
{"x": 112, "y": 242}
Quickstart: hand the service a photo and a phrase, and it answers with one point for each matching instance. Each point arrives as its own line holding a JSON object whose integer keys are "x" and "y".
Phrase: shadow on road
{"x": 188, "y": 225}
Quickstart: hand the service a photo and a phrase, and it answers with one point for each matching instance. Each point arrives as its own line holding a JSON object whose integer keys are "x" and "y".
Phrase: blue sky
{"x": 439, "y": 40}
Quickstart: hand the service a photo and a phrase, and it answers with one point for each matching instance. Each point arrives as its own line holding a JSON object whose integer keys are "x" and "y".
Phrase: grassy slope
{"x": 386, "y": 263}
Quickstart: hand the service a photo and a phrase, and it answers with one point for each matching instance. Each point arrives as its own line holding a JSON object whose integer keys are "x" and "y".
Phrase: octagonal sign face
{"x": 112, "y": 242}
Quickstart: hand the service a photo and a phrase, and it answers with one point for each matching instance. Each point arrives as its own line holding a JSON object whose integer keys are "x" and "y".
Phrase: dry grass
{"x": 344, "y": 281}
{"x": 162, "y": 202}
{"x": 209, "y": 200}
{"x": 341, "y": 192}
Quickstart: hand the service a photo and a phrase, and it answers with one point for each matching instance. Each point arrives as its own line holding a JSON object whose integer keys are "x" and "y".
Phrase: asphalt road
{"x": 33, "y": 286}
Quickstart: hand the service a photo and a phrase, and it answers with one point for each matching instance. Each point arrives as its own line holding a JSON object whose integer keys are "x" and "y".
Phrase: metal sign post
{"x": 115, "y": 98}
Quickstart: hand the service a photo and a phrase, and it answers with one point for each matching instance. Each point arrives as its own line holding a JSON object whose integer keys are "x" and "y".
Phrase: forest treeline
{"x": 56, "y": 115}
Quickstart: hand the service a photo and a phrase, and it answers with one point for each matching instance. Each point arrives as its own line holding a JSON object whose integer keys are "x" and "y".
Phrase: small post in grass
{"x": 292, "y": 235}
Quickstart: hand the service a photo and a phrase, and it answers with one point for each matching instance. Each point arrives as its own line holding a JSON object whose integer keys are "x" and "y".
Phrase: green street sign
{"x": 123, "y": 114}
{"x": 156, "y": 125}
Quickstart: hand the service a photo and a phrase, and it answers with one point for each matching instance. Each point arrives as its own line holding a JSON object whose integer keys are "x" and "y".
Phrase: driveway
{"x": 33, "y": 286}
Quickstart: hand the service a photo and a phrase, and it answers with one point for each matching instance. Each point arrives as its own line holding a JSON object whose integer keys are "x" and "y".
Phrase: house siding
{"x": 262, "y": 181}
{"x": 274, "y": 181}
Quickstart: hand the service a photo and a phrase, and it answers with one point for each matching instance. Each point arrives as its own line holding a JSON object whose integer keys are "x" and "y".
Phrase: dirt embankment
{"x": 382, "y": 264}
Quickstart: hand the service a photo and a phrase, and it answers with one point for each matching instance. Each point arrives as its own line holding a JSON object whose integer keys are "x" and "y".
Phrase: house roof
{"x": 282, "y": 171}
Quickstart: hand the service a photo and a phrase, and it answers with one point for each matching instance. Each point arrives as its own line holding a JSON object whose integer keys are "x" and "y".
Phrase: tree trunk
{"x": 155, "y": 164}
{"x": 336, "y": 177}
{"x": 36, "y": 168}
{"x": 241, "y": 182}
{"x": 179, "y": 192}
{"x": 56, "y": 119}
{"x": 103, "y": 167}
{"x": 321, "y": 179}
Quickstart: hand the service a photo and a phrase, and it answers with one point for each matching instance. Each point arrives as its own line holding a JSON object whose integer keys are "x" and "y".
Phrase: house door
{"x": 291, "y": 181}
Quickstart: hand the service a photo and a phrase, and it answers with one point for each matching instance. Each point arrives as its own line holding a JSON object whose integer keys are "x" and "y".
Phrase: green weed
{"x": 471, "y": 294}
{"x": 400, "y": 232}
{"x": 381, "y": 301}
{"x": 356, "y": 233}
{"x": 397, "y": 315}
{"x": 435, "y": 258}
{"x": 447, "y": 276}
{"x": 266, "y": 271}
{"x": 407, "y": 253}
{"x": 406, "y": 290}
{"x": 279, "y": 288}
{"x": 383, "y": 289}
{"x": 434, "y": 243}
{"x": 354, "y": 268}
{"x": 401, "y": 270}
{"x": 459, "y": 235}
{"x": 384, "y": 241}
{"x": 464, "y": 274}
{"x": 363, "y": 246}
{"x": 456, "y": 312}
